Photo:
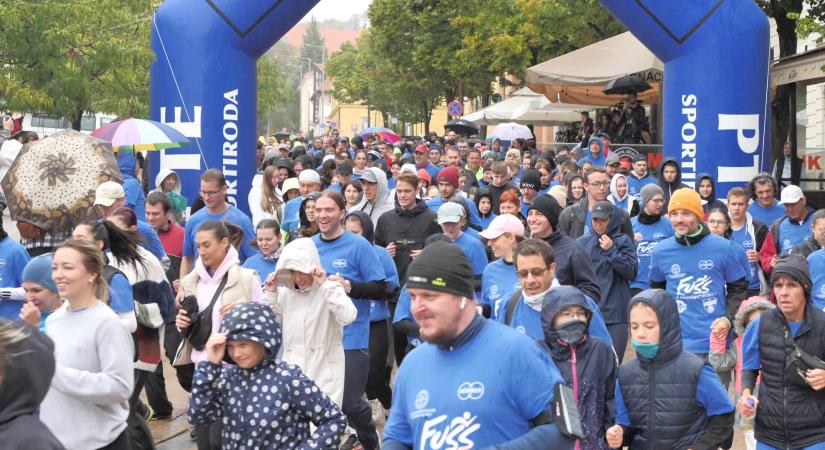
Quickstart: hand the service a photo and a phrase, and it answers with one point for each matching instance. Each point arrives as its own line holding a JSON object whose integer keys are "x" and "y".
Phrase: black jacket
{"x": 711, "y": 202}
{"x": 573, "y": 266}
{"x": 595, "y": 366}
{"x": 660, "y": 393}
{"x": 614, "y": 269}
{"x": 789, "y": 416}
{"x": 807, "y": 247}
{"x": 574, "y": 216}
{"x": 408, "y": 229}
{"x": 796, "y": 171}
{"x": 28, "y": 374}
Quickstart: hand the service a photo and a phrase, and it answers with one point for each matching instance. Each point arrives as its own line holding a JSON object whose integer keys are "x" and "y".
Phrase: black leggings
{"x": 120, "y": 443}
{"x": 378, "y": 380}
{"x": 354, "y": 406}
{"x": 399, "y": 340}
{"x": 208, "y": 437}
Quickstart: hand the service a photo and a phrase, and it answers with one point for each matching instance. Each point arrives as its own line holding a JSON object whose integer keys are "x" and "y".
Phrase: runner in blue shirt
{"x": 451, "y": 217}
{"x": 650, "y": 227}
{"x": 268, "y": 240}
{"x": 475, "y": 381}
{"x": 764, "y": 206}
{"x": 447, "y": 182}
{"x": 350, "y": 259}
{"x": 213, "y": 191}
{"x": 500, "y": 280}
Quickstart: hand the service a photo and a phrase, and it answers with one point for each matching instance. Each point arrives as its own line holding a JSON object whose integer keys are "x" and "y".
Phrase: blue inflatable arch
{"x": 203, "y": 83}
{"x": 716, "y": 82}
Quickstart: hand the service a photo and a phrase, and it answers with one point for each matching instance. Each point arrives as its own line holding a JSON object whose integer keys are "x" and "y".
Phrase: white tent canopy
{"x": 579, "y": 76}
{"x": 526, "y": 107}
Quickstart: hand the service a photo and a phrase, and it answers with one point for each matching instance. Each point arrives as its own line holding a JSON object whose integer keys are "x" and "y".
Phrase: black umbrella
{"x": 628, "y": 84}
{"x": 463, "y": 127}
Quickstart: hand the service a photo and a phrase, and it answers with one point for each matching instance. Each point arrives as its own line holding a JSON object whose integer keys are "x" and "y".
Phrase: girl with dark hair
{"x": 361, "y": 164}
{"x": 353, "y": 193}
{"x": 307, "y": 217}
{"x": 575, "y": 188}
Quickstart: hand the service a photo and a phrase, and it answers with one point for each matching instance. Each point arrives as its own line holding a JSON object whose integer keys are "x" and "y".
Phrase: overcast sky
{"x": 337, "y": 9}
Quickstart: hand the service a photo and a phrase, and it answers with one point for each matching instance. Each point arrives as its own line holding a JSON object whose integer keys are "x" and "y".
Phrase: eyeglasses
{"x": 211, "y": 193}
{"x": 717, "y": 222}
{"x": 535, "y": 272}
{"x": 573, "y": 315}
{"x": 600, "y": 184}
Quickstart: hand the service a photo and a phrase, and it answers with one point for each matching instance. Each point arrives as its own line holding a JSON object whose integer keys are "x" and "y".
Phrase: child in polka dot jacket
{"x": 264, "y": 403}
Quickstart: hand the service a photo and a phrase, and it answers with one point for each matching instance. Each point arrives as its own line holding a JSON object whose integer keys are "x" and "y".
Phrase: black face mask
{"x": 572, "y": 332}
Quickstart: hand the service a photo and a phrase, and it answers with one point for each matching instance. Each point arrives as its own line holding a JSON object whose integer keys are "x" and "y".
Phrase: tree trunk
{"x": 385, "y": 117}
{"x": 75, "y": 119}
{"x": 425, "y": 115}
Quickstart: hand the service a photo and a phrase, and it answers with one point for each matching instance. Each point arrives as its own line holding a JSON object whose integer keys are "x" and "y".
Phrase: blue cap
{"x": 39, "y": 270}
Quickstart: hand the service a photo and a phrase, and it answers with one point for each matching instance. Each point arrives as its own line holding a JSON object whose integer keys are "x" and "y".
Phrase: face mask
{"x": 572, "y": 332}
{"x": 645, "y": 349}
{"x": 535, "y": 301}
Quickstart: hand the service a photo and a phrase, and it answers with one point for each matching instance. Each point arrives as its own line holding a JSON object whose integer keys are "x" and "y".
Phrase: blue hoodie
{"x": 131, "y": 186}
{"x": 236, "y": 395}
{"x": 599, "y": 160}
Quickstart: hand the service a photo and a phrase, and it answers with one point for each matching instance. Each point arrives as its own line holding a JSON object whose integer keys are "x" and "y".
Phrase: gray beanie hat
{"x": 648, "y": 191}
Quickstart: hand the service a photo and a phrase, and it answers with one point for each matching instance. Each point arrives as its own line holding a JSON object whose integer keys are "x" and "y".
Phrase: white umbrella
{"x": 510, "y": 131}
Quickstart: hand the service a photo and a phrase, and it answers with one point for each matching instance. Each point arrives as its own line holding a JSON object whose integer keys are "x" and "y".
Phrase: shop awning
{"x": 802, "y": 67}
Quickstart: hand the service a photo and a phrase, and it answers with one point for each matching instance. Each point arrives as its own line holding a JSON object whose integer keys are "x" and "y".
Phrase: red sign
{"x": 455, "y": 109}
{"x": 812, "y": 162}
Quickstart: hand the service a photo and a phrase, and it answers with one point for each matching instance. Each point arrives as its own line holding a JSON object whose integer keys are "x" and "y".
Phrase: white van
{"x": 44, "y": 124}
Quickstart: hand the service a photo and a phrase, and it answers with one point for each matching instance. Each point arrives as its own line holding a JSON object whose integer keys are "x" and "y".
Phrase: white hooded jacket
{"x": 313, "y": 319}
{"x": 383, "y": 201}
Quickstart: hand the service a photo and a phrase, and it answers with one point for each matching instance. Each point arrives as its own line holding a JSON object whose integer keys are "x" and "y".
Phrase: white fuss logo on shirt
{"x": 437, "y": 434}
{"x": 691, "y": 285}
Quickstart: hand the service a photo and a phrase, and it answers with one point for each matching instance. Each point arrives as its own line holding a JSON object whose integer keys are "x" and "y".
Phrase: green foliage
{"x": 272, "y": 88}
{"x": 65, "y": 57}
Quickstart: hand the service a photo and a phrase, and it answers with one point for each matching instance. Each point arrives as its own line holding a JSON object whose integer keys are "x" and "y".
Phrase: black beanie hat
{"x": 531, "y": 178}
{"x": 794, "y": 265}
{"x": 548, "y": 206}
{"x": 441, "y": 267}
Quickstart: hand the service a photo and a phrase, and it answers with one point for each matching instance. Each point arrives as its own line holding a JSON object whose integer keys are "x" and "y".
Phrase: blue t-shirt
{"x": 379, "y": 310}
{"x": 150, "y": 241}
{"x": 528, "y": 321}
{"x": 232, "y": 215}
{"x": 352, "y": 257}
{"x": 483, "y": 393}
{"x": 652, "y": 234}
{"x": 816, "y": 262}
{"x": 485, "y": 221}
{"x": 750, "y": 343}
{"x": 121, "y": 299}
{"x": 402, "y": 311}
{"x": 13, "y": 259}
{"x": 792, "y": 233}
{"x": 257, "y": 263}
{"x": 709, "y": 393}
{"x": 743, "y": 261}
{"x": 472, "y": 232}
{"x": 696, "y": 277}
{"x": 292, "y": 210}
{"x": 435, "y": 203}
{"x": 588, "y": 222}
{"x": 635, "y": 185}
{"x": 433, "y": 171}
{"x": 525, "y": 208}
{"x": 498, "y": 282}
{"x": 766, "y": 215}
{"x": 748, "y": 242}
{"x": 474, "y": 251}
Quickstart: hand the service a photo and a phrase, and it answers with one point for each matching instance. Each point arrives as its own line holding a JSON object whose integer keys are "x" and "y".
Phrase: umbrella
{"x": 628, "y": 84}
{"x": 52, "y": 182}
{"x": 510, "y": 131}
{"x": 462, "y": 127}
{"x": 384, "y": 133}
{"x": 142, "y": 134}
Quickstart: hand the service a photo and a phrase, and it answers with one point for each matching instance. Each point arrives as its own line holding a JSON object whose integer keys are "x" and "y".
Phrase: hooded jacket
{"x": 312, "y": 319}
{"x": 382, "y": 203}
{"x": 615, "y": 269}
{"x": 179, "y": 202}
{"x": 588, "y": 155}
{"x": 573, "y": 218}
{"x": 710, "y": 202}
{"x": 29, "y": 368}
{"x": 235, "y": 394}
{"x": 589, "y": 368}
{"x": 408, "y": 229}
{"x": 629, "y": 202}
{"x": 670, "y": 187}
{"x": 131, "y": 186}
{"x": 485, "y": 218}
{"x": 660, "y": 394}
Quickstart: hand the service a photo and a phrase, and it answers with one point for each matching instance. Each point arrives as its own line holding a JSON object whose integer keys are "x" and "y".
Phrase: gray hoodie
{"x": 383, "y": 202}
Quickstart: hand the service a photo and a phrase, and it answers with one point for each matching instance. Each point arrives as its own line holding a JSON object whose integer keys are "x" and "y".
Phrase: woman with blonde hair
{"x": 88, "y": 401}
{"x": 270, "y": 206}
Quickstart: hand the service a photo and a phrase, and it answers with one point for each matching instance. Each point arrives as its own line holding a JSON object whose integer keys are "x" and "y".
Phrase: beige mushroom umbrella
{"x": 52, "y": 182}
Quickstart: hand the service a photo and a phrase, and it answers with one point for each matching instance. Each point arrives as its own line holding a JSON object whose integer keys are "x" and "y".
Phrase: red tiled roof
{"x": 332, "y": 38}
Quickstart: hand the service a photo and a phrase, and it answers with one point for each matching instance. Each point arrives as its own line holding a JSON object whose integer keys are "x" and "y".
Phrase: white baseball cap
{"x": 790, "y": 195}
{"x": 108, "y": 192}
{"x": 309, "y": 176}
{"x": 450, "y": 213}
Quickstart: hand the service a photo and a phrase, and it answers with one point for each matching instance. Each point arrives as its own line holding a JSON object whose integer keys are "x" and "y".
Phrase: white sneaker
{"x": 379, "y": 415}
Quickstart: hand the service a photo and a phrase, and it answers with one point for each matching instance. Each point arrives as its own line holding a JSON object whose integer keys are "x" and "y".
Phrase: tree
{"x": 272, "y": 88}
{"x": 313, "y": 43}
{"x": 70, "y": 57}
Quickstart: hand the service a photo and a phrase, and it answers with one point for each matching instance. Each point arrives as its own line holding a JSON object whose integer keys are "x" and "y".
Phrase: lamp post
{"x": 323, "y": 81}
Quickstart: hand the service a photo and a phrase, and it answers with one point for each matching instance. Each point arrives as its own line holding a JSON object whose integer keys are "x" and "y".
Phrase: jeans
{"x": 378, "y": 381}
{"x": 359, "y": 414}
